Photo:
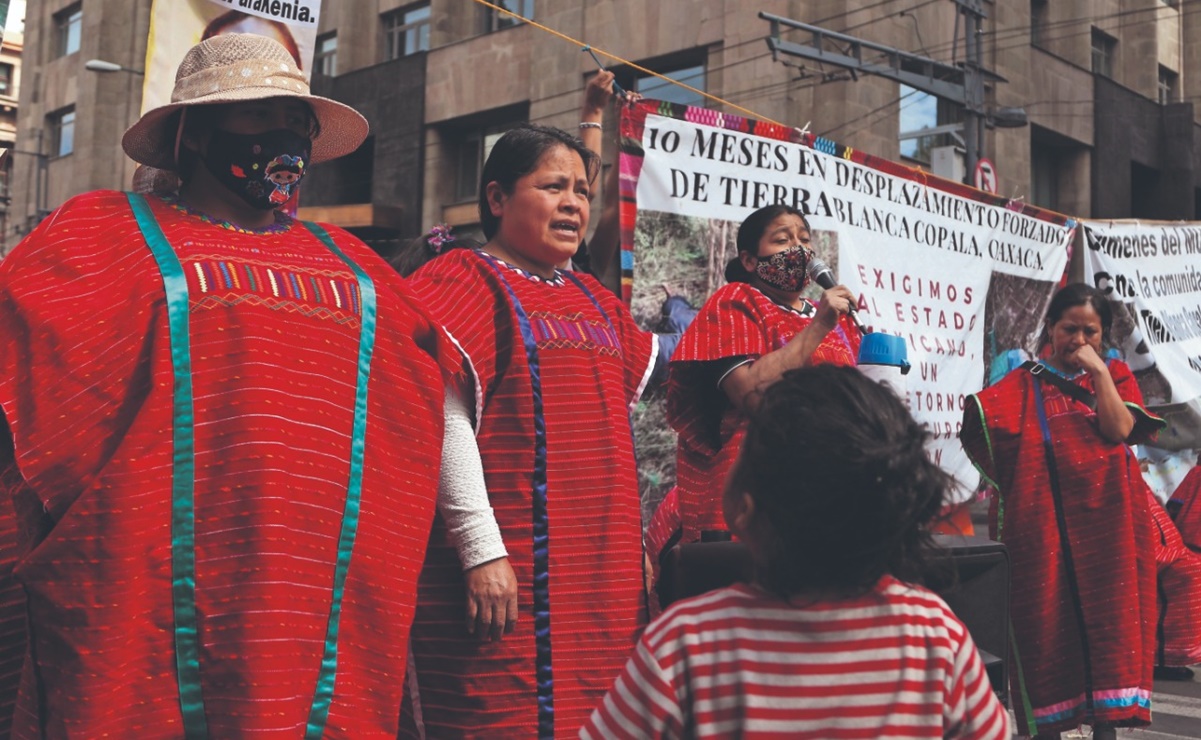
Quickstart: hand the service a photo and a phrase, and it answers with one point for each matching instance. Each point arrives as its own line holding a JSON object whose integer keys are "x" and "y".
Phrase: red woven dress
{"x": 559, "y": 365}
{"x": 738, "y": 321}
{"x": 1178, "y": 621}
{"x": 281, "y": 601}
{"x": 1081, "y": 547}
{"x": 1188, "y": 519}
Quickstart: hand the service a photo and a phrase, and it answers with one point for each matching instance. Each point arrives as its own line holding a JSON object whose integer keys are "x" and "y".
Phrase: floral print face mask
{"x": 787, "y": 270}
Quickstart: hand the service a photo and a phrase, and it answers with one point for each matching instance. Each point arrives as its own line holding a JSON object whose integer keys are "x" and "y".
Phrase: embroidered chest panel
{"x": 573, "y": 331}
{"x": 314, "y": 291}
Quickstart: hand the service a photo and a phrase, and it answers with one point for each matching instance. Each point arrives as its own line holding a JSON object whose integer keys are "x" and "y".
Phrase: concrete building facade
{"x": 1106, "y": 85}
{"x": 10, "y": 84}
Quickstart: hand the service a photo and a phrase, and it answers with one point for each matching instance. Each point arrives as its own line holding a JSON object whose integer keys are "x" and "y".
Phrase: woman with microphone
{"x": 745, "y": 337}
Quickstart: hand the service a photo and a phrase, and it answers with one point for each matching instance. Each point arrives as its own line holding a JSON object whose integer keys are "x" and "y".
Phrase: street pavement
{"x": 1175, "y": 711}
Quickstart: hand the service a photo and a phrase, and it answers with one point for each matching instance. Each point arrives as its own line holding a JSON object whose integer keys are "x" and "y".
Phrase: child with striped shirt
{"x": 833, "y": 639}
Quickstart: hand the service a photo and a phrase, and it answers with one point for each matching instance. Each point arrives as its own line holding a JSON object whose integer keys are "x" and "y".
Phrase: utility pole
{"x": 973, "y": 84}
{"x": 959, "y": 84}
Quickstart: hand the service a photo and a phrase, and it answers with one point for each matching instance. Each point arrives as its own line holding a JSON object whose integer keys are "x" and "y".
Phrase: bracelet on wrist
{"x": 589, "y": 124}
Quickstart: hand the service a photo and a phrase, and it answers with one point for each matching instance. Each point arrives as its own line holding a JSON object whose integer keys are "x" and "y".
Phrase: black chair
{"x": 978, "y": 593}
{"x": 980, "y": 598}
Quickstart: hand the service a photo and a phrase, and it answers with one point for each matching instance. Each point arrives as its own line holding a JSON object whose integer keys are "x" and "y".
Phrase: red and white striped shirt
{"x": 894, "y": 662}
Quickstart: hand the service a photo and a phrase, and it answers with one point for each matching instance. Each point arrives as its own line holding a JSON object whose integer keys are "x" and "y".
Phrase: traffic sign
{"x": 985, "y": 176}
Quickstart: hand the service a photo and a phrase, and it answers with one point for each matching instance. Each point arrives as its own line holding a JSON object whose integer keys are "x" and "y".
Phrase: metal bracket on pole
{"x": 959, "y": 84}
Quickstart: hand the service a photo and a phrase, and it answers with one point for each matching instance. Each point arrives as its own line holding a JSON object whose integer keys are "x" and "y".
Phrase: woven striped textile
{"x": 1188, "y": 518}
{"x": 737, "y": 321}
{"x": 1083, "y": 595}
{"x": 739, "y": 662}
{"x": 12, "y": 597}
{"x": 86, "y": 387}
{"x": 1178, "y": 624}
{"x": 589, "y": 604}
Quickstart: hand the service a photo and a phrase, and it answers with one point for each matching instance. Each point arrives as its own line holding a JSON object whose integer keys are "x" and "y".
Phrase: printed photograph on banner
{"x": 178, "y": 25}
{"x": 1149, "y": 272}
{"x": 1013, "y": 322}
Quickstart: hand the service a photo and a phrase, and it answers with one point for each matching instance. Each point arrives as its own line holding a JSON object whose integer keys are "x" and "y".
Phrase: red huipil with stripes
{"x": 740, "y": 662}
{"x": 86, "y": 387}
{"x": 1083, "y": 596}
{"x": 1188, "y": 518}
{"x": 737, "y": 321}
{"x": 1178, "y": 624}
{"x": 592, "y": 368}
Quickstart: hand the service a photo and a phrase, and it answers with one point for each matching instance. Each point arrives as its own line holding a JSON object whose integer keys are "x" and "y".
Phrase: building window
{"x": 6, "y": 173}
{"x": 660, "y": 89}
{"x": 1167, "y": 85}
{"x": 1044, "y": 176}
{"x": 1104, "y": 47}
{"x": 473, "y": 150}
{"x": 325, "y": 55}
{"x": 1039, "y": 15}
{"x": 6, "y": 80}
{"x": 68, "y": 24}
{"x": 406, "y": 31}
{"x": 497, "y": 20}
{"x": 920, "y": 111}
{"x": 62, "y": 132}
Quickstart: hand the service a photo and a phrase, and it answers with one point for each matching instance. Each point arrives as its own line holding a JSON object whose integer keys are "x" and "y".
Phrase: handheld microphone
{"x": 821, "y": 274}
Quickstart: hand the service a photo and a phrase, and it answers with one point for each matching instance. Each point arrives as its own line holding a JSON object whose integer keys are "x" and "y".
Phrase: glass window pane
{"x": 74, "y": 25}
{"x": 467, "y": 182}
{"x": 489, "y": 142}
{"x": 918, "y": 110}
{"x": 658, "y": 89}
{"x": 66, "y": 133}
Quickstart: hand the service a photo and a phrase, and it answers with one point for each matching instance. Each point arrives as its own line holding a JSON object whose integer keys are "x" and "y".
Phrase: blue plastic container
{"x": 884, "y": 349}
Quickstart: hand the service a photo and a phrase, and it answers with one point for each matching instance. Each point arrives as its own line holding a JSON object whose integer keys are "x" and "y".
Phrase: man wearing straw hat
{"x": 222, "y": 433}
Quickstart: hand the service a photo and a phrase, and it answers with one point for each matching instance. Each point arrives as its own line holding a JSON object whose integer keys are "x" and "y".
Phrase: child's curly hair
{"x": 841, "y": 483}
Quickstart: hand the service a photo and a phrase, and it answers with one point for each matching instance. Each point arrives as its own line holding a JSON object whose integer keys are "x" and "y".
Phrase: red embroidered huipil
{"x": 737, "y": 321}
{"x": 86, "y": 382}
{"x": 571, "y": 525}
{"x": 1082, "y": 553}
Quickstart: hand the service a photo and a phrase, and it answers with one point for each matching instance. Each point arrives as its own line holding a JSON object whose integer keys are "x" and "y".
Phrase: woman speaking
{"x": 745, "y": 337}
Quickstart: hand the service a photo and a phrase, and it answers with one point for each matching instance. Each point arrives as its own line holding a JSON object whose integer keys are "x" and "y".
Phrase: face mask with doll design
{"x": 261, "y": 169}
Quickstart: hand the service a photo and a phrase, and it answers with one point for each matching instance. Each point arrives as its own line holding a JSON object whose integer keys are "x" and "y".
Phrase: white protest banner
{"x": 962, "y": 275}
{"x": 1150, "y": 273}
{"x": 178, "y": 25}
{"x": 292, "y": 12}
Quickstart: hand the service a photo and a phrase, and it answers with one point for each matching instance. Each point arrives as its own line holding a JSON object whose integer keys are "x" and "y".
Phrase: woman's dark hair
{"x": 516, "y": 154}
{"x": 1070, "y": 296}
{"x": 750, "y": 231}
{"x": 419, "y": 250}
{"x": 841, "y": 482}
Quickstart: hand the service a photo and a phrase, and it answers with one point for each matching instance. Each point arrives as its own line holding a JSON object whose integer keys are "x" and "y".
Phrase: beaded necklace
{"x": 1062, "y": 373}
{"x": 557, "y": 280}
{"x": 283, "y": 222}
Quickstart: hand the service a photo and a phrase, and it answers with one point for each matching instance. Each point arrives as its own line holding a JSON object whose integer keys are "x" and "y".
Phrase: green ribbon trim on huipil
{"x": 183, "y": 518}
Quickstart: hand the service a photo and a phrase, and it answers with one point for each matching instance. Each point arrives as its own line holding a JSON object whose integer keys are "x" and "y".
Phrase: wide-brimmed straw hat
{"x": 237, "y": 67}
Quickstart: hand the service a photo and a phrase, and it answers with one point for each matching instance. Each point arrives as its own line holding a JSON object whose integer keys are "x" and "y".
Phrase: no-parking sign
{"x": 985, "y": 176}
